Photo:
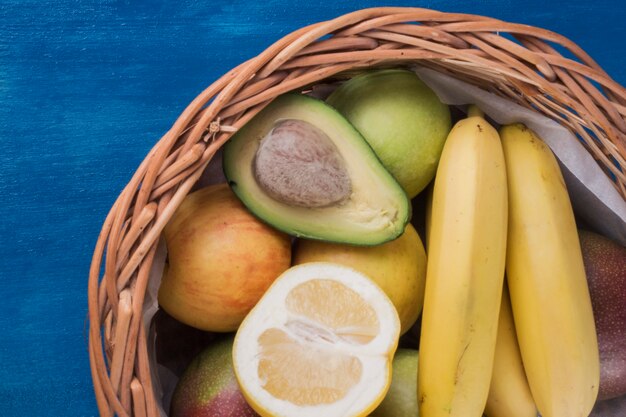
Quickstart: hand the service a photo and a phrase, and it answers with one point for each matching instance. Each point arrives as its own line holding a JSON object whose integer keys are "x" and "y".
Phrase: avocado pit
{"x": 298, "y": 164}
{"x": 301, "y": 167}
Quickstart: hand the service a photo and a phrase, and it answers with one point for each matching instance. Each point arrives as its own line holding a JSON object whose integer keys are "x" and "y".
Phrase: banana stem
{"x": 474, "y": 111}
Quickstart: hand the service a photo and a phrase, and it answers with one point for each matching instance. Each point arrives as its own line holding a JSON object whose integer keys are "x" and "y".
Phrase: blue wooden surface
{"x": 86, "y": 88}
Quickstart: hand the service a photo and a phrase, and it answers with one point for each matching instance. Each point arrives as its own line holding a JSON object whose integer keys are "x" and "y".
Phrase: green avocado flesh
{"x": 342, "y": 192}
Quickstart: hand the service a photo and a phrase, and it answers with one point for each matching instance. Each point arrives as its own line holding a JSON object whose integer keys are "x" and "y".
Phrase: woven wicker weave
{"x": 516, "y": 61}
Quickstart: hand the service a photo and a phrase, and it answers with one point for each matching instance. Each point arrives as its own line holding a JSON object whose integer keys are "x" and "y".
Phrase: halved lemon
{"x": 319, "y": 343}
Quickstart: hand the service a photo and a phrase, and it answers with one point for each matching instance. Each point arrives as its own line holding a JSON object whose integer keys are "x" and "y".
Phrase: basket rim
{"x": 524, "y": 65}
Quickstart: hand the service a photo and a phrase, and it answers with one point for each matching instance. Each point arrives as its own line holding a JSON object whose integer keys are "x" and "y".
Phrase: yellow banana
{"x": 547, "y": 283}
{"x": 465, "y": 272}
{"x": 509, "y": 394}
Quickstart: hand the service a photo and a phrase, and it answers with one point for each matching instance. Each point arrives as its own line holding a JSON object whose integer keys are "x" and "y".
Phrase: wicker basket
{"x": 520, "y": 62}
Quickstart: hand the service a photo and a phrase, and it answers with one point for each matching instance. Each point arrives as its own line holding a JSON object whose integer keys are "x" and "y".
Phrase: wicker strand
{"x": 139, "y": 398}
{"x": 143, "y": 373}
{"x": 121, "y": 336}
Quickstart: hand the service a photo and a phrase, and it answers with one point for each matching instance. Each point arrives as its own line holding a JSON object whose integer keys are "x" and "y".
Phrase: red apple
{"x": 221, "y": 259}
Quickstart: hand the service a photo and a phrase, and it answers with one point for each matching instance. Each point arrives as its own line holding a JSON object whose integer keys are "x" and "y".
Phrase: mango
{"x": 208, "y": 387}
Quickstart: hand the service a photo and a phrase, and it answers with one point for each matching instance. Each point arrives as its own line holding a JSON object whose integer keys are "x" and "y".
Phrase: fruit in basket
{"x": 301, "y": 167}
{"x": 605, "y": 265}
{"x": 401, "y": 399}
{"x": 398, "y": 267}
{"x": 319, "y": 343}
{"x": 615, "y": 407}
{"x": 509, "y": 393}
{"x": 465, "y": 272}
{"x": 401, "y": 118}
{"x": 221, "y": 260}
{"x": 546, "y": 278}
{"x": 208, "y": 387}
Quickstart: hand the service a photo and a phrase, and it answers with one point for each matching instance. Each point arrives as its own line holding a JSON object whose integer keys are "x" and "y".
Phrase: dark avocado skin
{"x": 605, "y": 265}
{"x": 351, "y": 227}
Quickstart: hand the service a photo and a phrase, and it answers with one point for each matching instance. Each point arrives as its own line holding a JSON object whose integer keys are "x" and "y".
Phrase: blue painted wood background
{"x": 86, "y": 88}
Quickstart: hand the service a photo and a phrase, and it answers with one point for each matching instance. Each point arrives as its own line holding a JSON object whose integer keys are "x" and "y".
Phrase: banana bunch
{"x": 499, "y": 203}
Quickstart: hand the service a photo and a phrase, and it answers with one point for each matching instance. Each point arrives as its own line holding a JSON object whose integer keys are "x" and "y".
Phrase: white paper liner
{"x": 593, "y": 196}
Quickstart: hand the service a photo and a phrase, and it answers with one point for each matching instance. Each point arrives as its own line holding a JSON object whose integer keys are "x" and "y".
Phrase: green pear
{"x": 401, "y": 118}
{"x": 401, "y": 399}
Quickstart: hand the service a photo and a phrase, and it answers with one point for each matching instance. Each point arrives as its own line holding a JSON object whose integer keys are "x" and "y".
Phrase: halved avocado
{"x": 304, "y": 169}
